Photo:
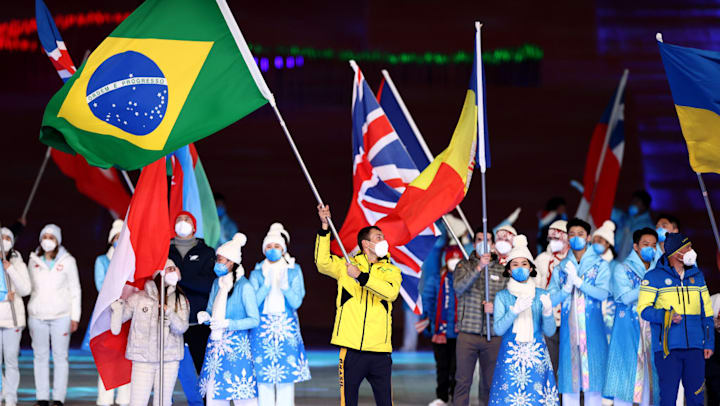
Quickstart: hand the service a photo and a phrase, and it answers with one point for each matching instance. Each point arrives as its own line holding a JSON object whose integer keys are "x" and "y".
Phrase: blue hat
{"x": 675, "y": 242}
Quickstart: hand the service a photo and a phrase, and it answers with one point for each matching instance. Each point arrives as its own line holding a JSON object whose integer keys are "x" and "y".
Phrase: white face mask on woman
{"x": 48, "y": 244}
{"x": 6, "y": 245}
{"x": 503, "y": 247}
{"x": 171, "y": 278}
{"x": 556, "y": 245}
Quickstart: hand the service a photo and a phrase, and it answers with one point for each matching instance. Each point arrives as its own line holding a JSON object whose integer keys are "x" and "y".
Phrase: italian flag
{"x": 142, "y": 249}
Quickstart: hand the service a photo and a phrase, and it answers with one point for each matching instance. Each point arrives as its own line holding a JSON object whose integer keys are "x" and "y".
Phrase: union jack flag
{"x": 382, "y": 169}
{"x": 52, "y": 43}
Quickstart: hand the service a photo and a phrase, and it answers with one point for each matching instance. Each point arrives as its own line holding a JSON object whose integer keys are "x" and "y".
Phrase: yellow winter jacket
{"x": 363, "y": 318}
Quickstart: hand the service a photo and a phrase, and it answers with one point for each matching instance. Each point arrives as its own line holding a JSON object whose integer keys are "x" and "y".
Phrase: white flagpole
{"x": 128, "y": 181}
{"x": 161, "y": 339}
{"x": 265, "y": 91}
{"x": 421, "y": 140}
{"x": 709, "y": 210}
{"x": 612, "y": 123}
{"x": 480, "y": 154}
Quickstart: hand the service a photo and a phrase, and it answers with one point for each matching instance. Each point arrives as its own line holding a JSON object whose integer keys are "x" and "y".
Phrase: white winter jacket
{"x": 20, "y": 284}
{"x": 143, "y": 308}
{"x": 55, "y": 292}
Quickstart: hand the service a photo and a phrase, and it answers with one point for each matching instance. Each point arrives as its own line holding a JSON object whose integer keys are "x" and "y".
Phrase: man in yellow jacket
{"x": 367, "y": 286}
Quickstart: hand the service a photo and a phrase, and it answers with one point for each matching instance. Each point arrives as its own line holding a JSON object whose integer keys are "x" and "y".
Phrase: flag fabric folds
{"x": 382, "y": 169}
{"x": 598, "y": 196}
{"x": 142, "y": 249}
{"x": 122, "y": 107}
{"x": 52, "y": 43}
{"x": 101, "y": 185}
{"x": 443, "y": 184}
{"x": 694, "y": 78}
{"x": 190, "y": 191}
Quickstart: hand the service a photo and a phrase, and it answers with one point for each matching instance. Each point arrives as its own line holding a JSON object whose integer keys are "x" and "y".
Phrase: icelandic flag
{"x": 190, "y": 191}
{"x": 601, "y": 178}
{"x": 382, "y": 168}
{"x": 51, "y": 41}
{"x": 142, "y": 249}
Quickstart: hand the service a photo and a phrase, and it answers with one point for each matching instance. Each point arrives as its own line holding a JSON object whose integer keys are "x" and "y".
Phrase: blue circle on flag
{"x": 129, "y": 91}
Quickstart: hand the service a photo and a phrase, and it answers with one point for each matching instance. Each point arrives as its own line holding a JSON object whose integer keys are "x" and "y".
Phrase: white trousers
{"x": 573, "y": 399}
{"x": 10, "y": 343}
{"x": 46, "y": 334}
{"x": 267, "y": 394}
{"x": 107, "y": 397}
{"x": 146, "y": 377}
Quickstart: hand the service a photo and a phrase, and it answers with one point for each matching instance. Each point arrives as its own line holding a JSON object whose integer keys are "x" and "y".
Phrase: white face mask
{"x": 556, "y": 245}
{"x": 48, "y": 245}
{"x": 171, "y": 278}
{"x": 452, "y": 263}
{"x": 480, "y": 247}
{"x": 183, "y": 228}
{"x": 6, "y": 245}
{"x": 381, "y": 248}
{"x": 690, "y": 258}
{"x": 503, "y": 247}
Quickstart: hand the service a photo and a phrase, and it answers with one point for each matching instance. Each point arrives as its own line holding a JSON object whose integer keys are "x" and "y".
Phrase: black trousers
{"x": 376, "y": 367}
{"x": 445, "y": 369}
{"x": 196, "y": 337}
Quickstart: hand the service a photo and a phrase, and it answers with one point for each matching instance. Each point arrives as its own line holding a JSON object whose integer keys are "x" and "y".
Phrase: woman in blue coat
{"x": 280, "y": 359}
{"x": 580, "y": 283}
{"x": 228, "y": 373}
{"x": 631, "y": 375}
{"x": 523, "y": 314}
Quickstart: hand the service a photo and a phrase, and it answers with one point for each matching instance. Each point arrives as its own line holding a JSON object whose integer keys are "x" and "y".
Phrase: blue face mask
{"x": 662, "y": 234}
{"x": 115, "y": 244}
{"x": 598, "y": 248}
{"x": 221, "y": 211}
{"x": 577, "y": 243}
{"x": 273, "y": 254}
{"x": 633, "y": 210}
{"x": 220, "y": 269}
{"x": 520, "y": 274}
{"x": 647, "y": 254}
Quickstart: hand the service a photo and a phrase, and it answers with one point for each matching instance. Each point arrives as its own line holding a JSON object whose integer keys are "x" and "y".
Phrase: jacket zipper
{"x": 362, "y": 338}
{"x": 337, "y": 332}
{"x": 687, "y": 339}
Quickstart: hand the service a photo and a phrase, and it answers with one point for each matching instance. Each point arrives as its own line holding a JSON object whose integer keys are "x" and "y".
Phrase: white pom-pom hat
{"x": 607, "y": 231}
{"x": 277, "y": 234}
{"x": 520, "y": 249}
{"x": 232, "y": 249}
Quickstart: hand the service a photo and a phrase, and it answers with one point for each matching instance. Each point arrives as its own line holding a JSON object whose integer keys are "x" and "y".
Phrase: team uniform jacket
{"x": 363, "y": 318}
{"x": 662, "y": 290}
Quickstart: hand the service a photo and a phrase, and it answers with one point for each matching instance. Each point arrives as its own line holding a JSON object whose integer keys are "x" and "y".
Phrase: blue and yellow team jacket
{"x": 663, "y": 290}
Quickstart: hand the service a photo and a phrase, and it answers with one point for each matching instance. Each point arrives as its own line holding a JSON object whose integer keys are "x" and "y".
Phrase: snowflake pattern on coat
{"x": 523, "y": 374}
{"x": 278, "y": 350}
{"x": 228, "y": 372}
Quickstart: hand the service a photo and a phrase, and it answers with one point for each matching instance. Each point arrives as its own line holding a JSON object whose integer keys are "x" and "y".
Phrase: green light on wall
{"x": 523, "y": 53}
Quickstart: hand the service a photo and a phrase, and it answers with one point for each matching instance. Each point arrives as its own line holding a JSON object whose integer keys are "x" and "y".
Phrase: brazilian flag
{"x": 173, "y": 72}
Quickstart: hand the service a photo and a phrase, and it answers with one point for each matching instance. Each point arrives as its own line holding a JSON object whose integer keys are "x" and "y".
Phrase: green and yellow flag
{"x": 173, "y": 72}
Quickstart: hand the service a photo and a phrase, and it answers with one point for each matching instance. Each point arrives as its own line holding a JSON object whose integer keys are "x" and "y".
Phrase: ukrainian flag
{"x": 694, "y": 77}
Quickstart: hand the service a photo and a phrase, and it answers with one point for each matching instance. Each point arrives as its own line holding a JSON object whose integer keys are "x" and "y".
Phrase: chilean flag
{"x": 101, "y": 185}
{"x": 142, "y": 249}
{"x": 607, "y": 145}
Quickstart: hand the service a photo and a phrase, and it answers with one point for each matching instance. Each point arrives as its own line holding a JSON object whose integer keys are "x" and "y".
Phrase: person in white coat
{"x": 11, "y": 327}
{"x": 143, "y": 307}
{"x": 53, "y": 313}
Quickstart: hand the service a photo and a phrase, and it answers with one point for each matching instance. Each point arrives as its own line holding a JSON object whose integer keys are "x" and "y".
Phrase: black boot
{"x": 42, "y": 403}
{"x": 57, "y": 403}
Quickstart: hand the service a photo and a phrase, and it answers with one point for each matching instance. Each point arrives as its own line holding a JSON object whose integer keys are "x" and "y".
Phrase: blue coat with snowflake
{"x": 241, "y": 308}
{"x": 523, "y": 371}
{"x": 595, "y": 273}
{"x": 278, "y": 348}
